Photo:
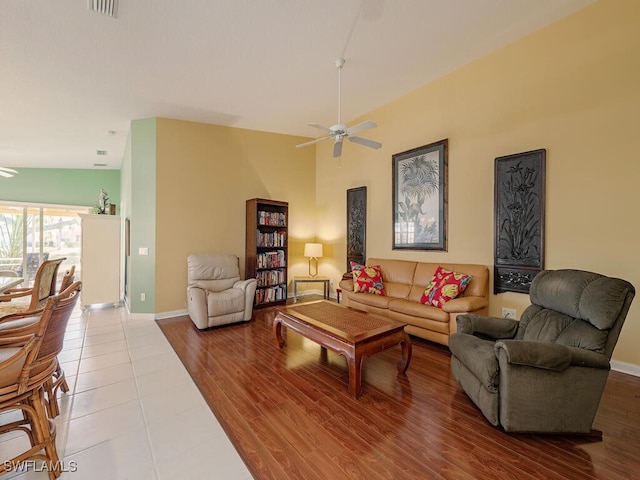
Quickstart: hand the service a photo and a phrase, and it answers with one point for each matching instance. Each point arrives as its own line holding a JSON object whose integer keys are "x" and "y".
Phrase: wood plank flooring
{"x": 289, "y": 414}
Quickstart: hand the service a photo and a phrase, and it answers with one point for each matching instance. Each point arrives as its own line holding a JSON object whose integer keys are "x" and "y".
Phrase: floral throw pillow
{"x": 444, "y": 286}
{"x": 367, "y": 279}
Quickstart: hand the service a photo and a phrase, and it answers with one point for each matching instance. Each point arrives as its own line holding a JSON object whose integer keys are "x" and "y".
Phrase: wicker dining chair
{"x": 67, "y": 279}
{"x": 56, "y": 318}
{"x": 44, "y": 285}
{"x": 22, "y": 379}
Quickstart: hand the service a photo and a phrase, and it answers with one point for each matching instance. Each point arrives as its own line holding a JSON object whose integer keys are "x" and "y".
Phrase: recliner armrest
{"x": 487, "y": 327}
{"x": 243, "y": 284}
{"x": 549, "y": 356}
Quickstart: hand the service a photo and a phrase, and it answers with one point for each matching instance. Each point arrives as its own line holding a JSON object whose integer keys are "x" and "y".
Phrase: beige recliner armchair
{"x": 215, "y": 293}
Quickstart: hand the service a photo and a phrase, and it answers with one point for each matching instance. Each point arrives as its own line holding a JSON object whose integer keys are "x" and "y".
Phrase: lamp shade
{"x": 313, "y": 250}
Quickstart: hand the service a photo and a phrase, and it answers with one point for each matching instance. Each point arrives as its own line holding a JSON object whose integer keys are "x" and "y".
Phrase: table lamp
{"x": 313, "y": 251}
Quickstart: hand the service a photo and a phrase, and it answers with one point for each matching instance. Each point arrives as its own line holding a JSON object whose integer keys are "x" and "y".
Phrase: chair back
{"x": 213, "y": 272}
{"x": 44, "y": 284}
{"x": 53, "y": 323}
{"x": 67, "y": 279}
{"x": 577, "y": 309}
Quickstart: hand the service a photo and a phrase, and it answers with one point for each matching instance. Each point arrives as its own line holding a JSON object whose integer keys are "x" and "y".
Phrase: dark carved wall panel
{"x": 356, "y": 225}
{"x": 519, "y": 220}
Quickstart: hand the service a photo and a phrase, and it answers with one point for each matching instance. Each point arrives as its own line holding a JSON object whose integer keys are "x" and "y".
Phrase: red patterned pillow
{"x": 444, "y": 286}
{"x": 367, "y": 279}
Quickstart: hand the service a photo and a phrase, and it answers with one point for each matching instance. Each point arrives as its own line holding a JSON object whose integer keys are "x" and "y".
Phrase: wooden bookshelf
{"x": 266, "y": 254}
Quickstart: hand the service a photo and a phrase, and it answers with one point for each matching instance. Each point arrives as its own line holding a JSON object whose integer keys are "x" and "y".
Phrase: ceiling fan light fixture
{"x": 105, "y": 7}
{"x": 340, "y": 131}
{"x": 7, "y": 172}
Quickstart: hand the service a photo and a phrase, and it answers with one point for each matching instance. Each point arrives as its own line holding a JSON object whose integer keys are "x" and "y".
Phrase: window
{"x": 31, "y": 234}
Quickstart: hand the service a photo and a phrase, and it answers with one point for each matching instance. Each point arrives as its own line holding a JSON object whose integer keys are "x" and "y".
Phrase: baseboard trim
{"x": 623, "y": 367}
{"x": 175, "y": 313}
{"x": 310, "y": 293}
{"x": 137, "y": 316}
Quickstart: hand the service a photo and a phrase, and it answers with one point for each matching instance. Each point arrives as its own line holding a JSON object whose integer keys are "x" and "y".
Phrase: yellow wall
{"x": 204, "y": 175}
{"x": 572, "y": 88}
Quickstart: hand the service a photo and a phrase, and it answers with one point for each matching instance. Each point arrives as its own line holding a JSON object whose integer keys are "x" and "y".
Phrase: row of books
{"x": 271, "y": 294}
{"x": 271, "y": 277}
{"x": 274, "y": 259}
{"x": 272, "y": 218}
{"x": 272, "y": 239}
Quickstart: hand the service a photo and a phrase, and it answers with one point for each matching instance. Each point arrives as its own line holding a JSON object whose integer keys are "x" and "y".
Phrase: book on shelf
{"x": 274, "y": 259}
{"x": 271, "y": 294}
{"x": 278, "y": 219}
{"x": 271, "y": 277}
{"x": 271, "y": 239}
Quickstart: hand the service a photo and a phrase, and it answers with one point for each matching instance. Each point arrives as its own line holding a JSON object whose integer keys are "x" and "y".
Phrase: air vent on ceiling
{"x": 106, "y": 7}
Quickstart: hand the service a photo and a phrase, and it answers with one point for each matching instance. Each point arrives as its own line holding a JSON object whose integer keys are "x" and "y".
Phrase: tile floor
{"x": 132, "y": 411}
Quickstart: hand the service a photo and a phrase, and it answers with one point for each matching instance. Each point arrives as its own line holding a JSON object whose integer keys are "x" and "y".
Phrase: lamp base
{"x": 312, "y": 275}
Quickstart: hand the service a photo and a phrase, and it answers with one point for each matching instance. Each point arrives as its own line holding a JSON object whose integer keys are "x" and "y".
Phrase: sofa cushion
{"x": 477, "y": 287}
{"x": 376, "y": 301}
{"x": 367, "y": 279}
{"x": 226, "y": 302}
{"x": 444, "y": 286}
{"x": 418, "y": 310}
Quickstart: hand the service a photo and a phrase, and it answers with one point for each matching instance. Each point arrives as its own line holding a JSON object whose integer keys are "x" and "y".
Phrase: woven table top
{"x": 352, "y": 322}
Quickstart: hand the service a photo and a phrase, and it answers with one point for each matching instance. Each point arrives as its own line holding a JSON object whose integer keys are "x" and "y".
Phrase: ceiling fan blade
{"x": 305, "y": 144}
{"x": 365, "y": 141}
{"x": 321, "y": 127}
{"x": 337, "y": 148}
{"x": 5, "y": 174}
{"x": 362, "y": 126}
{"x": 10, "y": 170}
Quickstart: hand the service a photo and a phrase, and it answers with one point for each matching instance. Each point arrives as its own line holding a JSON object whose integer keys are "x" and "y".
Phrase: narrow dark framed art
{"x": 356, "y": 226}
{"x": 420, "y": 197}
{"x": 519, "y": 207}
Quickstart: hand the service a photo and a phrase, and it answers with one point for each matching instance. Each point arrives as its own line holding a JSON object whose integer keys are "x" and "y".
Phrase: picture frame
{"x": 356, "y": 226}
{"x": 519, "y": 220}
{"x": 420, "y": 194}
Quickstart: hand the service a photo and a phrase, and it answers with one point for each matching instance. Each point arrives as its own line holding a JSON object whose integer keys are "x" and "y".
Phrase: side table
{"x": 307, "y": 279}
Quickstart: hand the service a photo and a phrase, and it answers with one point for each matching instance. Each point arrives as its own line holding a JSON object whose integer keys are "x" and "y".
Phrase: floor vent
{"x": 106, "y": 7}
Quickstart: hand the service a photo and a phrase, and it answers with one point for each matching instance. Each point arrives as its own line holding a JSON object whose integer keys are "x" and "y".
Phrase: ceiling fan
{"x": 339, "y": 131}
{"x": 7, "y": 172}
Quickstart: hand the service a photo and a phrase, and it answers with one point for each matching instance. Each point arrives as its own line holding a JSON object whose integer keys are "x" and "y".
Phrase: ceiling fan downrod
{"x": 339, "y": 63}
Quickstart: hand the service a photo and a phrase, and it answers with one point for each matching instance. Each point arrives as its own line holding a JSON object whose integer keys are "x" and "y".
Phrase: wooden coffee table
{"x": 348, "y": 332}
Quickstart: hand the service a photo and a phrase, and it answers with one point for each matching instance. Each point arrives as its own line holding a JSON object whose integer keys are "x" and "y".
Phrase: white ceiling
{"x": 68, "y": 76}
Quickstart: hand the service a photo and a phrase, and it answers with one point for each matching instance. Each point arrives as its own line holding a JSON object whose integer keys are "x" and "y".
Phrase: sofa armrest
{"x": 549, "y": 356}
{"x": 487, "y": 327}
{"x": 465, "y": 304}
{"x": 347, "y": 285}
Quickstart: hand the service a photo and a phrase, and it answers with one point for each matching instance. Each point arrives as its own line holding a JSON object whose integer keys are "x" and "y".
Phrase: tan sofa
{"x": 405, "y": 282}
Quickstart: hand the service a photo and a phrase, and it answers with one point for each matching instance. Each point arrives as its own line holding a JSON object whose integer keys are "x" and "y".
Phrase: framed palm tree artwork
{"x": 420, "y": 198}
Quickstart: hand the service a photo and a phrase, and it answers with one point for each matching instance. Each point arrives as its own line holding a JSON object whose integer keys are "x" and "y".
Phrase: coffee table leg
{"x": 403, "y": 364}
{"x": 355, "y": 375}
{"x": 277, "y": 332}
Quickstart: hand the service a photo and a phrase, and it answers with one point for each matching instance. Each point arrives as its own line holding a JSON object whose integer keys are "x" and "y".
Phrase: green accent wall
{"x": 61, "y": 186}
{"x": 139, "y": 178}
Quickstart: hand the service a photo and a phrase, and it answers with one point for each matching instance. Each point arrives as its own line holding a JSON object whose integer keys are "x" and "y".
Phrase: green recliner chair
{"x": 545, "y": 373}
